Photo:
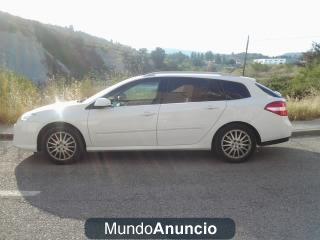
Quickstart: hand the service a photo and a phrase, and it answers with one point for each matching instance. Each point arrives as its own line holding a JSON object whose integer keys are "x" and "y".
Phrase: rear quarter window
{"x": 268, "y": 91}
{"x": 234, "y": 90}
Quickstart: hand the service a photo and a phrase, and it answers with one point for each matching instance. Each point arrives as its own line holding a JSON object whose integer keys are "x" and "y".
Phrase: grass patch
{"x": 304, "y": 109}
{"x": 18, "y": 94}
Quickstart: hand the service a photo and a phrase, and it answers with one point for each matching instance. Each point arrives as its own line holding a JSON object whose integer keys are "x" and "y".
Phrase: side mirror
{"x": 102, "y": 102}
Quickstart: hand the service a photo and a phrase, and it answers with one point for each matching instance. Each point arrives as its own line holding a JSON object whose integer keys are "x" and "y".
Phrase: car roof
{"x": 213, "y": 75}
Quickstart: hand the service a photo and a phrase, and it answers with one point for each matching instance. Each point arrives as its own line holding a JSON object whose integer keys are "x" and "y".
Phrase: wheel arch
{"x": 59, "y": 124}
{"x": 256, "y": 133}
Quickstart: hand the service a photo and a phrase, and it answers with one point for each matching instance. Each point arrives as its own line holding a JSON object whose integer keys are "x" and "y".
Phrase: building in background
{"x": 270, "y": 60}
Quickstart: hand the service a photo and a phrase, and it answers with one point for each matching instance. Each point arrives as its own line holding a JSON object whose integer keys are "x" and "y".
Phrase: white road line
{"x": 18, "y": 193}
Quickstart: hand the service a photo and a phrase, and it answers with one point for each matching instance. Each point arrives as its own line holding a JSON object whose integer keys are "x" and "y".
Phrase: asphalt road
{"x": 276, "y": 195}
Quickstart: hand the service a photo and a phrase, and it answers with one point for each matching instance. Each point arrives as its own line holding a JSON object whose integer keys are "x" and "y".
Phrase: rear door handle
{"x": 148, "y": 114}
{"x": 211, "y": 107}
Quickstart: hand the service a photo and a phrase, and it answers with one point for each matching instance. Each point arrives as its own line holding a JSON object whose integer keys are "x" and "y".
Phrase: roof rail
{"x": 183, "y": 72}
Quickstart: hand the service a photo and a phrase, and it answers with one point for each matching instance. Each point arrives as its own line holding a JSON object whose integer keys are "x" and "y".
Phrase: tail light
{"x": 278, "y": 107}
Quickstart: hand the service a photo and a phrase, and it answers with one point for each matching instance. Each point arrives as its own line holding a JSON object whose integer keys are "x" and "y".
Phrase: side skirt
{"x": 281, "y": 140}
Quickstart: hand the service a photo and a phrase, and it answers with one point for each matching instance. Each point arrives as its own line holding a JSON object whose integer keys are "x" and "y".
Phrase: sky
{"x": 275, "y": 26}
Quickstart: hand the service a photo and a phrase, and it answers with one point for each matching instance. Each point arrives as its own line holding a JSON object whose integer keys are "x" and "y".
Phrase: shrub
{"x": 306, "y": 82}
{"x": 304, "y": 109}
{"x": 17, "y": 95}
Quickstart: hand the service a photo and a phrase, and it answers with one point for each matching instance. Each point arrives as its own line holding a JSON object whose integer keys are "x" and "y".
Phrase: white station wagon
{"x": 161, "y": 111}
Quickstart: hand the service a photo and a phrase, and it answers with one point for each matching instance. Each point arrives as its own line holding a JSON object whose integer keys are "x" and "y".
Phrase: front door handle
{"x": 148, "y": 114}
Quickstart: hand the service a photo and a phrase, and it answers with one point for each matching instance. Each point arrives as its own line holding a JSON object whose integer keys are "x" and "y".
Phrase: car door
{"x": 132, "y": 119}
{"x": 189, "y": 109}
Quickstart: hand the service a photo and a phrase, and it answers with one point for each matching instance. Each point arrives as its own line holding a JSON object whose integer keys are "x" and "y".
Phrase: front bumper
{"x": 25, "y": 135}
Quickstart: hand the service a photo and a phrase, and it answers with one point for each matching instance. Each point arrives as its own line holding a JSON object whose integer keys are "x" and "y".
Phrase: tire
{"x": 235, "y": 143}
{"x": 62, "y": 145}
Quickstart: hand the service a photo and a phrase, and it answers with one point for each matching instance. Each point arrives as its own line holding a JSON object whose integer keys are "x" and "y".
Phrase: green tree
{"x": 131, "y": 62}
{"x": 197, "y": 59}
{"x": 175, "y": 61}
{"x": 144, "y": 61}
{"x": 231, "y": 61}
{"x": 313, "y": 56}
{"x": 224, "y": 59}
{"x": 217, "y": 59}
{"x": 158, "y": 56}
{"x": 209, "y": 56}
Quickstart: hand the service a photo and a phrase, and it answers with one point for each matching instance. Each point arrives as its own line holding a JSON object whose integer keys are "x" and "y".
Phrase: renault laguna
{"x": 160, "y": 111}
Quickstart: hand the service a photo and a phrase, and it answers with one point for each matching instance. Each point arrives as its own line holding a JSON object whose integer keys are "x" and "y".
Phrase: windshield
{"x": 108, "y": 89}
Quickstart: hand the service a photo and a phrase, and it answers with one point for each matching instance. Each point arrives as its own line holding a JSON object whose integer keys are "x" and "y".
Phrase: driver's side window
{"x": 143, "y": 92}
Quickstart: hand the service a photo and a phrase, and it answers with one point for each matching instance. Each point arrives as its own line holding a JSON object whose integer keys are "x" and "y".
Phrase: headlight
{"x": 26, "y": 116}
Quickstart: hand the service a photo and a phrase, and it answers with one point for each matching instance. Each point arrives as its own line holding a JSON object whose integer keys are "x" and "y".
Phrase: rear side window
{"x": 210, "y": 90}
{"x": 181, "y": 90}
{"x": 268, "y": 90}
{"x": 192, "y": 90}
{"x": 234, "y": 90}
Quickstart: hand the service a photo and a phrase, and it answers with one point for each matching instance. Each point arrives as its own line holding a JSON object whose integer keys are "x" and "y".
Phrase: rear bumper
{"x": 281, "y": 140}
{"x": 272, "y": 127}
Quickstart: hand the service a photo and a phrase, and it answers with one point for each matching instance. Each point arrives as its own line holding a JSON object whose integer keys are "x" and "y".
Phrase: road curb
{"x": 295, "y": 134}
{"x": 305, "y": 133}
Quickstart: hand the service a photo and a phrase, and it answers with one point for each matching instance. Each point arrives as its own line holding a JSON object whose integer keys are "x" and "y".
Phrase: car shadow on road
{"x": 159, "y": 184}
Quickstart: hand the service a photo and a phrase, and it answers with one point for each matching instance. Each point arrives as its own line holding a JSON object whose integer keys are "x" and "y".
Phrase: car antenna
{"x": 245, "y": 57}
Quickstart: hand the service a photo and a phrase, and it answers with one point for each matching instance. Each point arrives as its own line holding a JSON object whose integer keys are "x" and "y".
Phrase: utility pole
{"x": 245, "y": 57}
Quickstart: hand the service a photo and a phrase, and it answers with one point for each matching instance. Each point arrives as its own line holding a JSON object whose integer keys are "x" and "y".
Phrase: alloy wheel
{"x": 61, "y": 146}
{"x": 236, "y": 144}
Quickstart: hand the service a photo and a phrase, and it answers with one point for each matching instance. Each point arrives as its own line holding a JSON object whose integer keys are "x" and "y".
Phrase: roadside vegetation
{"x": 300, "y": 84}
{"x": 18, "y": 94}
{"x": 304, "y": 109}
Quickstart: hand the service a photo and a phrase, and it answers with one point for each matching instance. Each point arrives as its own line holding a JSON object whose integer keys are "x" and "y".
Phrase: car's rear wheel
{"x": 235, "y": 143}
{"x": 62, "y": 145}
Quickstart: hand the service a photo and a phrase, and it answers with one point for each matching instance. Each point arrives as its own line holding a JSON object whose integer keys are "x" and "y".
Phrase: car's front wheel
{"x": 62, "y": 145}
{"x": 235, "y": 143}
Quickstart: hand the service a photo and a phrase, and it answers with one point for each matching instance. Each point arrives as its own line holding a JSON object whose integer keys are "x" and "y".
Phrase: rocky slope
{"x": 40, "y": 51}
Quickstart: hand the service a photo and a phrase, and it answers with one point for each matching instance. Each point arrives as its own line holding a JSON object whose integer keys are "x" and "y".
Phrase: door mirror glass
{"x": 102, "y": 102}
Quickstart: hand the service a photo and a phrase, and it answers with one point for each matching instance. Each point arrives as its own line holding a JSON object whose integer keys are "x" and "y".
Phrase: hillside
{"x": 40, "y": 51}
